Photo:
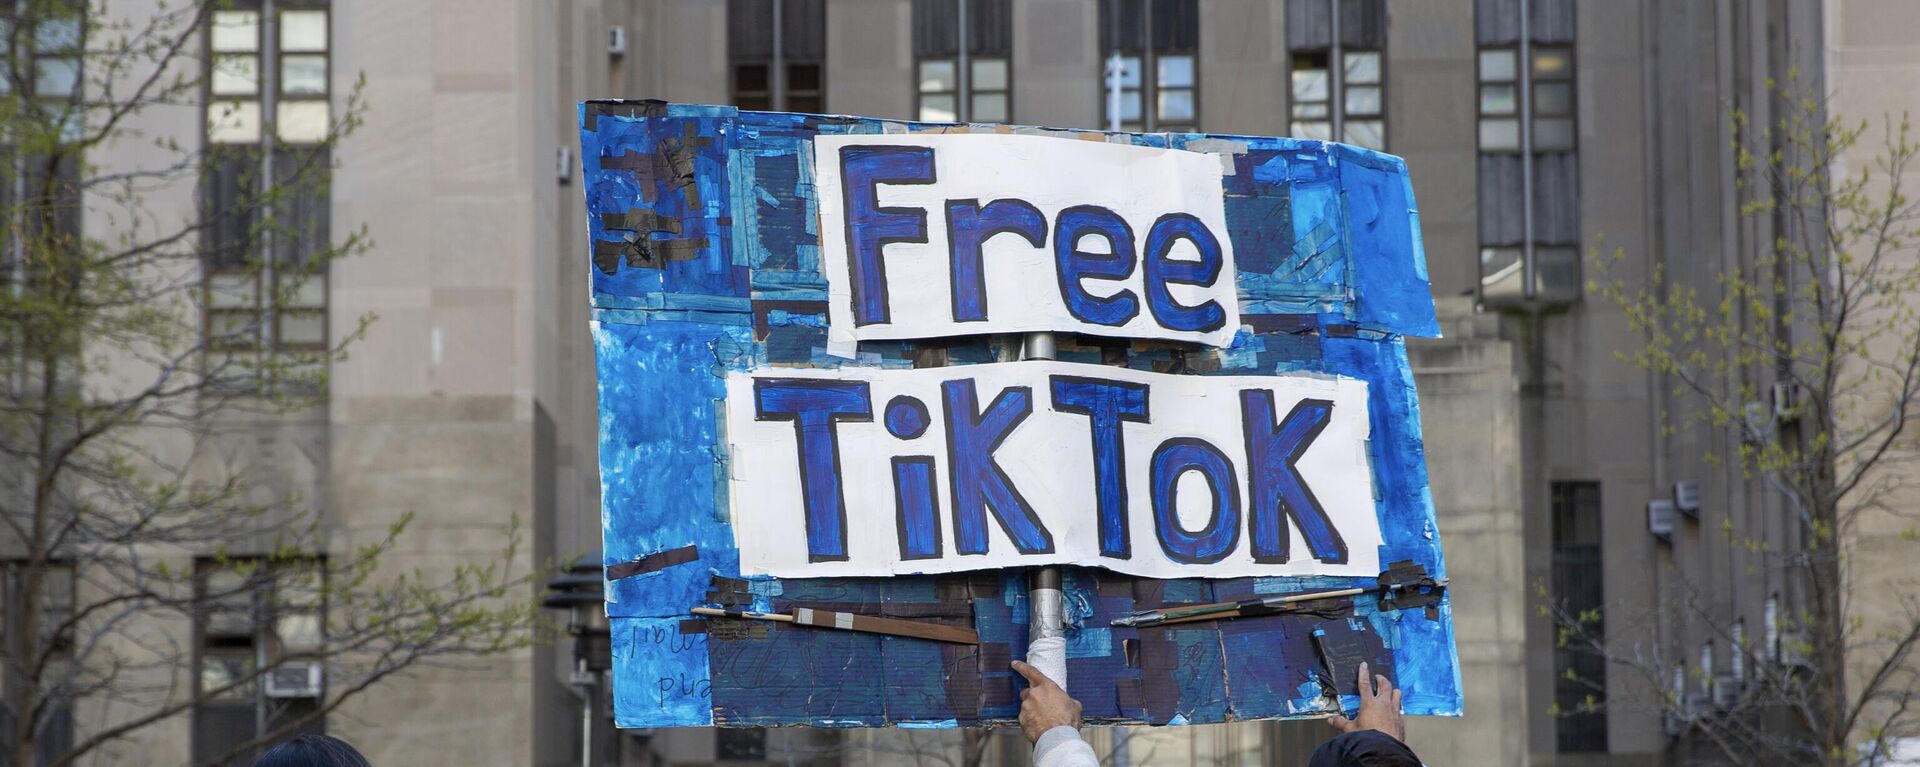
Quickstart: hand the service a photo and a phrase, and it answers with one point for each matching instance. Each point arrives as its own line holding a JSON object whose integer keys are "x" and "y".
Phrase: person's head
{"x": 312, "y": 751}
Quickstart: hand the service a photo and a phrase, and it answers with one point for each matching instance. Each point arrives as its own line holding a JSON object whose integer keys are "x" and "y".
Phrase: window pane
{"x": 1498, "y": 99}
{"x": 1556, "y": 274}
{"x": 1552, "y": 98}
{"x": 989, "y": 74}
{"x": 1129, "y": 72}
{"x": 1553, "y": 133}
{"x": 937, "y": 76}
{"x": 937, "y": 108}
{"x": 56, "y": 76}
{"x": 1363, "y": 100}
{"x": 303, "y": 328}
{"x": 303, "y": 31}
{"x": 1363, "y": 67}
{"x": 1497, "y": 65}
{"x": 1316, "y": 110}
{"x": 229, "y": 291}
{"x": 310, "y": 292}
{"x": 1176, "y": 71}
{"x": 804, "y": 103}
{"x": 303, "y": 75}
{"x": 989, "y": 108}
{"x": 1501, "y": 134}
{"x": 235, "y": 74}
{"x": 1310, "y": 85}
{"x": 299, "y": 632}
{"x": 1319, "y": 130}
{"x": 1501, "y": 274}
{"x": 1176, "y": 105}
{"x": 750, "y": 78}
{"x": 803, "y": 77}
{"x": 233, "y": 329}
{"x": 302, "y": 121}
{"x": 233, "y": 121}
{"x": 1551, "y": 64}
{"x": 217, "y": 671}
{"x": 1371, "y": 134}
{"x": 57, "y": 35}
{"x": 236, "y": 31}
{"x": 1130, "y": 106}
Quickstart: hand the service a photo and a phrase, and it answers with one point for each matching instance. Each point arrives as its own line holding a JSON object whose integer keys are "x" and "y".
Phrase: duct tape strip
{"x": 652, "y": 562}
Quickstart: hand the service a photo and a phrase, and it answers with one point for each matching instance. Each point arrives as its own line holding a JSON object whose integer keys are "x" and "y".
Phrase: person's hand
{"x": 1379, "y": 709}
{"x": 1043, "y": 705}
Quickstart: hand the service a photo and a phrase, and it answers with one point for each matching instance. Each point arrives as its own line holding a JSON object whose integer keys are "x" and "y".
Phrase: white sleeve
{"x": 1062, "y": 747}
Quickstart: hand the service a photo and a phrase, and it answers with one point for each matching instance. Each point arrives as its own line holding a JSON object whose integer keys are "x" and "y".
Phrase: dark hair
{"x": 312, "y": 751}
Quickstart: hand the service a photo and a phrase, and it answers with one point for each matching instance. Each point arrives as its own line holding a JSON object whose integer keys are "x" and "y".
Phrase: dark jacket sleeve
{"x": 1364, "y": 748}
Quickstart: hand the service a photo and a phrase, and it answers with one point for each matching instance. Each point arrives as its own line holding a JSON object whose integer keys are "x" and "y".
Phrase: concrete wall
{"x": 1470, "y": 417}
{"x": 1873, "y": 72}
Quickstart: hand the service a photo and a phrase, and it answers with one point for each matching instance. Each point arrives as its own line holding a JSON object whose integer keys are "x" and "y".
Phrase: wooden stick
{"x": 1218, "y": 610}
{"x": 806, "y": 616}
{"x": 876, "y": 625}
{"x": 748, "y": 614}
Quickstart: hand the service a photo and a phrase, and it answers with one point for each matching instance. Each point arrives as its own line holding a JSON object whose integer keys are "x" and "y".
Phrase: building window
{"x": 1580, "y": 676}
{"x": 258, "y": 633}
{"x": 266, "y": 211}
{"x": 1529, "y": 169}
{"x": 962, "y": 66}
{"x": 55, "y": 685}
{"x": 777, "y": 54}
{"x": 1353, "y": 33}
{"x": 1150, "y": 53}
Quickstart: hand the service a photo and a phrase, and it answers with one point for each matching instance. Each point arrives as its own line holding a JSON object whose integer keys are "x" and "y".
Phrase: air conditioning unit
{"x": 1786, "y": 401}
{"x": 616, "y": 40}
{"x": 1686, "y": 497}
{"x": 294, "y": 680}
{"x": 1660, "y": 519}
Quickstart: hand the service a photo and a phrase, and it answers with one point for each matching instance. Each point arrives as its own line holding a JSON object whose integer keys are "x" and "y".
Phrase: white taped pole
{"x": 1046, "y": 613}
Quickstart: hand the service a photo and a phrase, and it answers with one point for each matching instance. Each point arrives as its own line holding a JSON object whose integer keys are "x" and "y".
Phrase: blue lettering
{"x": 916, "y": 507}
{"x": 1161, "y": 270}
{"x": 1274, "y": 482}
{"x": 976, "y": 482}
{"x": 1106, "y": 404}
{"x": 815, "y": 406}
{"x": 1073, "y": 265}
{"x": 870, "y": 227}
{"x": 1217, "y": 538}
{"x": 969, "y": 226}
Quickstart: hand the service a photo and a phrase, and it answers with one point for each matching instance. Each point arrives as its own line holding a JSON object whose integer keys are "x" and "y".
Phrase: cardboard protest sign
{"x": 810, "y": 409}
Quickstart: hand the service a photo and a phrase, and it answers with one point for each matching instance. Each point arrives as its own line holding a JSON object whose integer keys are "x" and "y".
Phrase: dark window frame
{"x": 932, "y": 45}
{"x": 287, "y": 287}
{"x": 55, "y": 743}
{"x": 1579, "y": 567}
{"x": 1337, "y": 115}
{"x": 1513, "y": 268}
{"x": 261, "y": 640}
{"x": 1147, "y": 53}
{"x": 779, "y": 58}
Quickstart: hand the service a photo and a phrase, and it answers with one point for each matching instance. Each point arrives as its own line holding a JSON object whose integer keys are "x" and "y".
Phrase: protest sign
{"x": 810, "y": 407}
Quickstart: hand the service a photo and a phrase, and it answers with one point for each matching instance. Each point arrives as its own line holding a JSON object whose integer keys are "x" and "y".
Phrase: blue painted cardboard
{"x": 706, "y": 259}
